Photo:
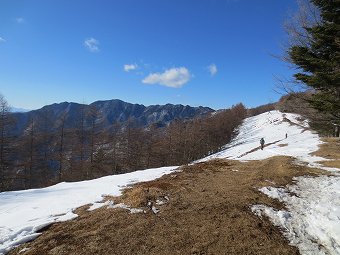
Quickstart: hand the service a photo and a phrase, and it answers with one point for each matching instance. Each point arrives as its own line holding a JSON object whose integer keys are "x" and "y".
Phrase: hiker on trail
{"x": 286, "y": 135}
{"x": 262, "y": 143}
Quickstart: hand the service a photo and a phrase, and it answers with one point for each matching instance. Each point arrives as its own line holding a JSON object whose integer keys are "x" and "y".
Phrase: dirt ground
{"x": 206, "y": 211}
{"x": 330, "y": 150}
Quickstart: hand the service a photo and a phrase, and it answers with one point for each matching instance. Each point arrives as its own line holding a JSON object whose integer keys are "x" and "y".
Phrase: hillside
{"x": 273, "y": 126}
{"x": 107, "y": 113}
{"x": 220, "y": 204}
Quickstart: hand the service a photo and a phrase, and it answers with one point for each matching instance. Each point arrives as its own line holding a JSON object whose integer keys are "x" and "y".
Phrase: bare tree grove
{"x": 46, "y": 155}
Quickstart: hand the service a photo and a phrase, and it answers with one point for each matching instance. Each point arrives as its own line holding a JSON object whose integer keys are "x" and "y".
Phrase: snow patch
{"x": 24, "y": 250}
{"x": 312, "y": 219}
{"x": 124, "y": 206}
{"x": 97, "y": 205}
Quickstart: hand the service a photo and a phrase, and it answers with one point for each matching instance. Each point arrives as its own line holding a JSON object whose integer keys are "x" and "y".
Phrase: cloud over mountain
{"x": 174, "y": 77}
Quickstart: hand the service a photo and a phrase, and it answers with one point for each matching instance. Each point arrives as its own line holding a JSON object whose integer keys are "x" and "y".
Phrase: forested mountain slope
{"x": 106, "y": 113}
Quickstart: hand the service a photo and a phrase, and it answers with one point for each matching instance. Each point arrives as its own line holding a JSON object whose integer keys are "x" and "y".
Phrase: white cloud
{"x": 174, "y": 77}
{"x": 212, "y": 69}
{"x": 92, "y": 44}
{"x": 131, "y": 67}
{"x": 20, "y": 20}
{"x": 2, "y": 39}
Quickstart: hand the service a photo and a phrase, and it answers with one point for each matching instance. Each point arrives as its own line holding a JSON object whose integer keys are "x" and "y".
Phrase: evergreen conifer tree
{"x": 319, "y": 59}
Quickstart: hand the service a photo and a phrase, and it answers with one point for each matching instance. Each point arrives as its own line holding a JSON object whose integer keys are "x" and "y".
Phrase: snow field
{"x": 24, "y": 213}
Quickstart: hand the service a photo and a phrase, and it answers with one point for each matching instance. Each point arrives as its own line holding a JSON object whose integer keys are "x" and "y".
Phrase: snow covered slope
{"x": 23, "y": 213}
{"x": 273, "y": 127}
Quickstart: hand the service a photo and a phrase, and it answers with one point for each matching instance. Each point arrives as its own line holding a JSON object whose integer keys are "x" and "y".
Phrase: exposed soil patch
{"x": 207, "y": 212}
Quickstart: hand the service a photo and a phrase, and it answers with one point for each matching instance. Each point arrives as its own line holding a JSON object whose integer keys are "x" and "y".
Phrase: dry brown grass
{"x": 330, "y": 150}
{"x": 139, "y": 196}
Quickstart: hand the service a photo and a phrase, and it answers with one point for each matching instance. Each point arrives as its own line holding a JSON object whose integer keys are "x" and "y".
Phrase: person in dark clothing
{"x": 262, "y": 143}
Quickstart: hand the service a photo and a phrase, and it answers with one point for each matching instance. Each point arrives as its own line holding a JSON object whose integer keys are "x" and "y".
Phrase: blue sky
{"x": 213, "y": 53}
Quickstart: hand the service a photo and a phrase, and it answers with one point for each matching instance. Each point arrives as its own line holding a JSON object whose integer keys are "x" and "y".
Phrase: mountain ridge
{"x": 106, "y": 113}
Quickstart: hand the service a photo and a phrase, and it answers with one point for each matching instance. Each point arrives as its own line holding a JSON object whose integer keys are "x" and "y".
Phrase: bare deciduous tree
{"x": 5, "y": 140}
